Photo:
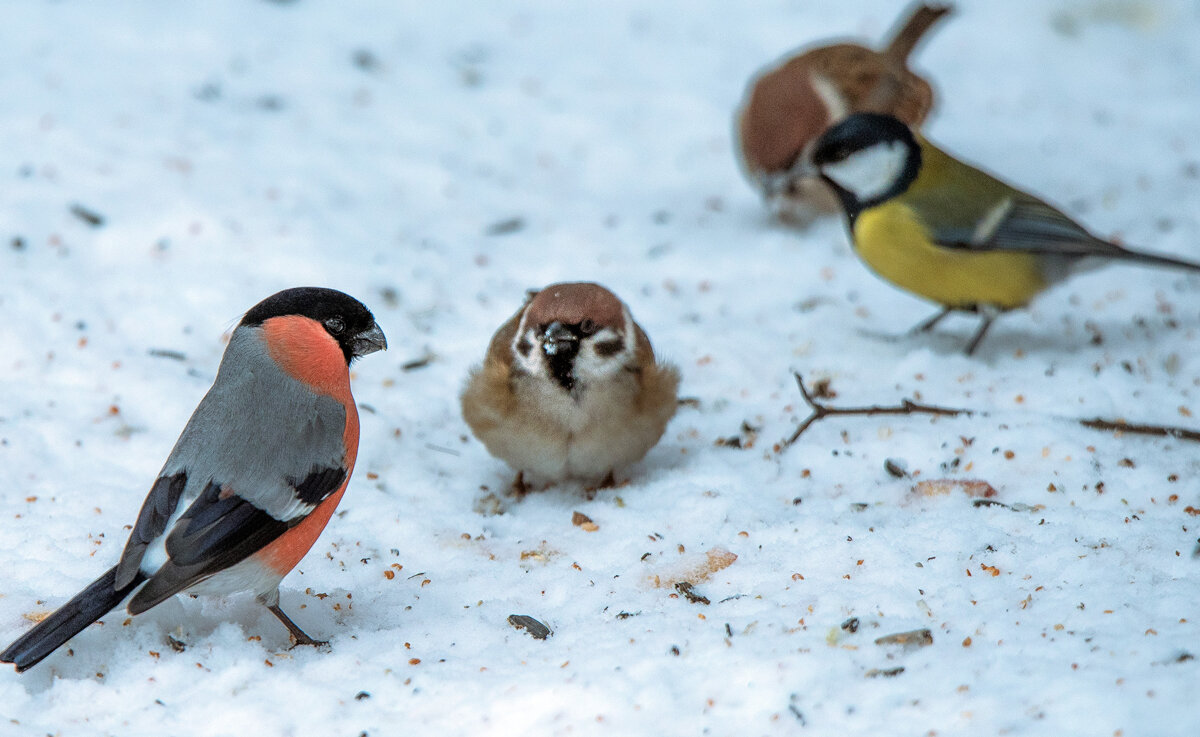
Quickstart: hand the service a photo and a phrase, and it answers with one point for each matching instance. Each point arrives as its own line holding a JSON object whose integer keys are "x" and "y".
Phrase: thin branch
{"x": 1161, "y": 431}
{"x": 908, "y": 407}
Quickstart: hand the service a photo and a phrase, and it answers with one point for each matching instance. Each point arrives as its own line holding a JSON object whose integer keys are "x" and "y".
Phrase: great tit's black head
{"x": 868, "y": 158}
{"x": 346, "y": 319}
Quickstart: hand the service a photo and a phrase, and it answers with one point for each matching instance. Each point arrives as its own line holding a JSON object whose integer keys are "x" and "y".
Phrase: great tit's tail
{"x": 913, "y": 30}
{"x": 1154, "y": 259}
{"x": 98, "y": 599}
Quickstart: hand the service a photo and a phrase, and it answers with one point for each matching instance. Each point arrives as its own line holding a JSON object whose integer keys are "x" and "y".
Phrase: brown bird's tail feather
{"x": 98, "y": 599}
{"x": 913, "y": 30}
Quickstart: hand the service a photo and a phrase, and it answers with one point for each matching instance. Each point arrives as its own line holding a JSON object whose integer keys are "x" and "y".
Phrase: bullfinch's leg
{"x": 299, "y": 636}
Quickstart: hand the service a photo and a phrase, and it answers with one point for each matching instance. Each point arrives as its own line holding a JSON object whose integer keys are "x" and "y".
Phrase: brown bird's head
{"x": 574, "y": 332}
{"x": 789, "y": 106}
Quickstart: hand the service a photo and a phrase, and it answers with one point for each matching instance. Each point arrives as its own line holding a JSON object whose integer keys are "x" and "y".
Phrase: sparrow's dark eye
{"x": 335, "y": 325}
{"x": 609, "y": 348}
{"x": 587, "y": 327}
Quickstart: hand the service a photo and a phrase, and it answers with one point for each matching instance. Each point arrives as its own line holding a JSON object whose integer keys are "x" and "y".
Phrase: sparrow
{"x": 949, "y": 232}
{"x": 786, "y": 108}
{"x": 570, "y": 388}
{"x": 254, "y": 477}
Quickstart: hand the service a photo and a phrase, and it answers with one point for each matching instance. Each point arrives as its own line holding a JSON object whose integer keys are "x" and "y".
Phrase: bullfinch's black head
{"x": 345, "y": 318}
{"x": 867, "y": 158}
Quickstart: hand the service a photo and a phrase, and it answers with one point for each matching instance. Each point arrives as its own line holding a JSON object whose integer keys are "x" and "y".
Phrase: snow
{"x": 237, "y": 148}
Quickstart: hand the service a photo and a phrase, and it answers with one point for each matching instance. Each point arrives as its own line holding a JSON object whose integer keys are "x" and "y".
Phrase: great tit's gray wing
{"x": 1029, "y": 225}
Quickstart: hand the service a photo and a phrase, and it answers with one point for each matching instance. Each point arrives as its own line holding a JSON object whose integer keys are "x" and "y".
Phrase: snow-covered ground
{"x": 437, "y": 159}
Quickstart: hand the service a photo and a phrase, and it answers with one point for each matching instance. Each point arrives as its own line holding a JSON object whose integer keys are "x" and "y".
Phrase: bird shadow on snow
{"x": 1032, "y": 337}
{"x": 187, "y": 623}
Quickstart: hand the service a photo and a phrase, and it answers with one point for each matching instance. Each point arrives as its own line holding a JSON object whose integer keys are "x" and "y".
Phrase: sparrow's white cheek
{"x": 601, "y": 355}
{"x": 526, "y": 353}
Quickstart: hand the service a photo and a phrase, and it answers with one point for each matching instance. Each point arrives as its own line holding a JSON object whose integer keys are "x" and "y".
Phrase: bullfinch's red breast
{"x": 255, "y": 475}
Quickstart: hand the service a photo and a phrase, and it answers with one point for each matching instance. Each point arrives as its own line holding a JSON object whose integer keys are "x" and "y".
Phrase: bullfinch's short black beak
{"x": 558, "y": 338}
{"x": 368, "y": 341}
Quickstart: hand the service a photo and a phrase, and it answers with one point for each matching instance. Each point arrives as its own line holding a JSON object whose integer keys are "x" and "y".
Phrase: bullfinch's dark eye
{"x": 335, "y": 325}
{"x": 587, "y": 327}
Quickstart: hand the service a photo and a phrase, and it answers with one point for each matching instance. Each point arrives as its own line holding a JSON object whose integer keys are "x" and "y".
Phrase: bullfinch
{"x": 254, "y": 477}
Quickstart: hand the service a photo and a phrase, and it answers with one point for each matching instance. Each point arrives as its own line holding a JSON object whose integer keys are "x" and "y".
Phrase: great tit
{"x": 946, "y": 231}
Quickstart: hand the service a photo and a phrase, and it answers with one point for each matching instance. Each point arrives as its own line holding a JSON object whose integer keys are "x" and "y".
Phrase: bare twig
{"x": 1162, "y": 431}
{"x": 906, "y": 407}
{"x": 909, "y": 407}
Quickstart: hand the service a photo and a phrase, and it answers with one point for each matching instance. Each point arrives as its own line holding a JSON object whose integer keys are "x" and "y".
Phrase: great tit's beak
{"x": 368, "y": 341}
{"x": 558, "y": 337}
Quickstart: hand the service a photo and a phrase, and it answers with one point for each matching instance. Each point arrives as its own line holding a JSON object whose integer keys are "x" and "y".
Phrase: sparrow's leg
{"x": 929, "y": 324}
{"x": 609, "y": 482}
{"x": 519, "y": 488}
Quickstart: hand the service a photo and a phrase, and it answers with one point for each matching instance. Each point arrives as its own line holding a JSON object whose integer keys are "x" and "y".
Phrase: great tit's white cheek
{"x": 870, "y": 172}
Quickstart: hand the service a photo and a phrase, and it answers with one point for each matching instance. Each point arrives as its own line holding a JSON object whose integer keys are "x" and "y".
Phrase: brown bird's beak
{"x": 558, "y": 338}
{"x": 368, "y": 341}
{"x": 779, "y": 183}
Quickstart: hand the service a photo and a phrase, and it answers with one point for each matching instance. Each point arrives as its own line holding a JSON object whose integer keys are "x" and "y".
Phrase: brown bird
{"x": 570, "y": 388}
{"x": 789, "y": 105}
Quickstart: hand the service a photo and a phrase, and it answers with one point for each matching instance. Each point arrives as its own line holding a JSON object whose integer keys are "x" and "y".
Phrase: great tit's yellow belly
{"x": 897, "y": 247}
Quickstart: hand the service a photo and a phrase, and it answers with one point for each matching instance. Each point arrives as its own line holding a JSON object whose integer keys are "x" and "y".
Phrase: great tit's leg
{"x": 988, "y": 314}
{"x": 929, "y": 324}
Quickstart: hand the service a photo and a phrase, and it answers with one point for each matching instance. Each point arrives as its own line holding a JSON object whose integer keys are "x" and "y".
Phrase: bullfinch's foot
{"x": 299, "y": 636}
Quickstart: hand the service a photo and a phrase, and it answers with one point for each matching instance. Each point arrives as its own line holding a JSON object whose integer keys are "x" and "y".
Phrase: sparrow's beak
{"x": 368, "y": 341}
{"x": 783, "y": 182}
{"x": 775, "y": 184}
{"x": 558, "y": 337}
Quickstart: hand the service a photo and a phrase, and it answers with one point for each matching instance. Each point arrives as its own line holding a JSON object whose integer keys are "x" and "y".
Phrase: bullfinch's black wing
{"x": 222, "y": 528}
{"x": 258, "y": 432}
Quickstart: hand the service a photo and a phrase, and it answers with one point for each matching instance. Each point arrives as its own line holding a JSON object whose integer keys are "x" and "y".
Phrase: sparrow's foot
{"x": 519, "y": 487}
{"x": 609, "y": 482}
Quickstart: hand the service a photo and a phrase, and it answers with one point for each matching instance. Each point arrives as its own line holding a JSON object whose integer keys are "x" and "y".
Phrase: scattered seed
{"x": 689, "y": 593}
{"x": 532, "y": 627}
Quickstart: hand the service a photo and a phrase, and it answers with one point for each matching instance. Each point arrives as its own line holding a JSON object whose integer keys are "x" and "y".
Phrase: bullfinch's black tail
{"x": 92, "y": 603}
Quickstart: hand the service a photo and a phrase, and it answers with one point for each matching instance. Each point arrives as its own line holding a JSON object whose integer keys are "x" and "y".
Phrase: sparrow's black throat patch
{"x": 560, "y": 343}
